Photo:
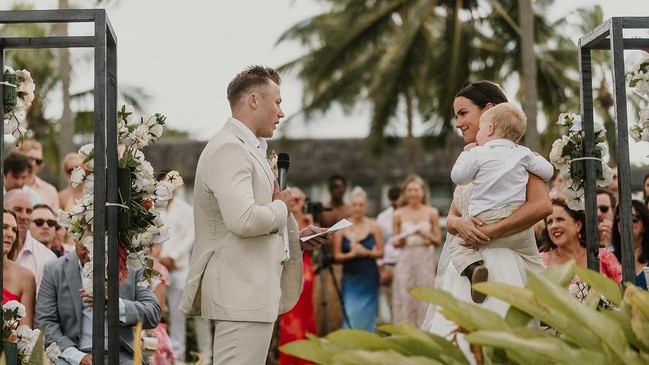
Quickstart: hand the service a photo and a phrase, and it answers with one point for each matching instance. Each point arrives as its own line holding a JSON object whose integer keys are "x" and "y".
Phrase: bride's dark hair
{"x": 482, "y": 93}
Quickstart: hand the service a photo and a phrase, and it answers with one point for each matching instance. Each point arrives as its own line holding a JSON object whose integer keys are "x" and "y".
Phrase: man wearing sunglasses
{"x": 44, "y": 225}
{"x": 606, "y": 203}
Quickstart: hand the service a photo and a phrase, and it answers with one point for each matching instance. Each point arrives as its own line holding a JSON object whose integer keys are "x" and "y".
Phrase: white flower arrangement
{"x": 639, "y": 81}
{"x": 272, "y": 161}
{"x": 567, "y": 152}
{"x": 24, "y": 337}
{"x": 148, "y": 197}
{"x": 14, "y": 114}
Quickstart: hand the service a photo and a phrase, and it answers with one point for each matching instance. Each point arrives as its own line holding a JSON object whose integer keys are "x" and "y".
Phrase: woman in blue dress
{"x": 640, "y": 219}
{"x": 357, "y": 248}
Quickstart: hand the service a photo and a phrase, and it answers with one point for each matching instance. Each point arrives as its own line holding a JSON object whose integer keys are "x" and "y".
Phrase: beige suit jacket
{"x": 236, "y": 271}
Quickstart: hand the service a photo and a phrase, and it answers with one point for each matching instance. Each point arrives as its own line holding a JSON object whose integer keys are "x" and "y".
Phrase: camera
{"x": 315, "y": 209}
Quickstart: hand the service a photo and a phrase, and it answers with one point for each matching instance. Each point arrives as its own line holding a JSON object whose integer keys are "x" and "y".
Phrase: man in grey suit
{"x": 66, "y": 310}
{"x": 246, "y": 266}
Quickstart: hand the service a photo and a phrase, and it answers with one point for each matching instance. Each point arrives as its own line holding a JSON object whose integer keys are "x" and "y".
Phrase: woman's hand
{"x": 359, "y": 250}
{"x": 468, "y": 230}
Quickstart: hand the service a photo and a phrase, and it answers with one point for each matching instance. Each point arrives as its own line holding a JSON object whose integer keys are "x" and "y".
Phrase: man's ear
{"x": 252, "y": 99}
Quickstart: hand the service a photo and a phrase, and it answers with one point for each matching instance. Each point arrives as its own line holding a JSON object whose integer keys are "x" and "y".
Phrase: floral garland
{"x": 14, "y": 113}
{"x": 567, "y": 152}
{"x": 639, "y": 81}
{"x": 24, "y": 337}
{"x": 148, "y": 197}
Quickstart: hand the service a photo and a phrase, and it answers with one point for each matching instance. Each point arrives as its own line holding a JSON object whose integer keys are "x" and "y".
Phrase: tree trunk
{"x": 528, "y": 81}
{"x": 410, "y": 138}
{"x": 66, "y": 122}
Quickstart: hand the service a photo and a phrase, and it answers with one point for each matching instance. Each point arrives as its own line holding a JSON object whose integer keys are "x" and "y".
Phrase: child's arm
{"x": 465, "y": 168}
{"x": 539, "y": 166}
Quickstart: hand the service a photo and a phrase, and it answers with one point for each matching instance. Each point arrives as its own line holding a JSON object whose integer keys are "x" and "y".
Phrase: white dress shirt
{"x": 499, "y": 170}
{"x": 34, "y": 255}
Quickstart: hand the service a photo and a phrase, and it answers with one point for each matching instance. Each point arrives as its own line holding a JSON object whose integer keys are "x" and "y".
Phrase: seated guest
{"x": 565, "y": 240}
{"x": 69, "y": 195}
{"x": 17, "y": 169}
{"x": 44, "y": 226}
{"x": 65, "y": 310}
{"x": 640, "y": 219}
{"x": 33, "y": 150}
{"x": 18, "y": 282}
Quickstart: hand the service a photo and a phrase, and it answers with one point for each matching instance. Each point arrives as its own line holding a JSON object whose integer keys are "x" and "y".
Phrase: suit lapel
{"x": 254, "y": 152}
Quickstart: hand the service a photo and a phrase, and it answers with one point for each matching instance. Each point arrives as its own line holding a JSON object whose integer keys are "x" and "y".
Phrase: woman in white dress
{"x": 504, "y": 264}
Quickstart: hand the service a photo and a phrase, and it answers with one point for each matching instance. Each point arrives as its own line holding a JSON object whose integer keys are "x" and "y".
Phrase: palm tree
{"x": 409, "y": 57}
{"x": 379, "y": 52}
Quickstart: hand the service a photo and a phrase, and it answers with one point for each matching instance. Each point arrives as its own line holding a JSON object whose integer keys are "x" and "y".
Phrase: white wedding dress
{"x": 505, "y": 265}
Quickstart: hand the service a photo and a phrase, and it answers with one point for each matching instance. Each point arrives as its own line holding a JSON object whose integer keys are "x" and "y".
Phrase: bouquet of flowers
{"x": 639, "y": 81}
{"x": 143, "y": 197}
{"x": 567, "y": 156}
{"x": 18, "y": 96}
{"x": 24, "y": 337}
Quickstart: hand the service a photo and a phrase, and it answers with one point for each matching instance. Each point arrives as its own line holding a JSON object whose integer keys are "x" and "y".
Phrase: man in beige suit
{"x": 246, "y": 266}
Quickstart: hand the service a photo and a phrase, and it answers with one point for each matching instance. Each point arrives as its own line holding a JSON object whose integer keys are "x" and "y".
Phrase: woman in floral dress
{"x": 416, "y": 231}
{"x": 565, "y": 240}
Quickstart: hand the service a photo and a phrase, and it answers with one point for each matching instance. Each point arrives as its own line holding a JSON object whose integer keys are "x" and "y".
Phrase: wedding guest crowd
{"x": 360, "y": 280}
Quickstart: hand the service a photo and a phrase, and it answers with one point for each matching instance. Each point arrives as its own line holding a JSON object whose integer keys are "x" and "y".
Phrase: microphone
{"x": 282, "y": 169}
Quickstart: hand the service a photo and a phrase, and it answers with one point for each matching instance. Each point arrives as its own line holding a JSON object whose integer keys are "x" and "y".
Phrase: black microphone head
{"x": 283, "y": 161}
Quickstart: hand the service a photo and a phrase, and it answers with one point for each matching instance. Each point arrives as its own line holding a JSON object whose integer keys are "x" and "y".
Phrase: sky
{"x": 184, "y": 53}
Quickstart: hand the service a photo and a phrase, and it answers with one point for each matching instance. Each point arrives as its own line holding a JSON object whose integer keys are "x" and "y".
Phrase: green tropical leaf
{"x": 537, "y": 350}
{"x": 307, "y": 349}
{"x": 468, "y": 316}
{"x": 381, "y": 358}
{"x": 605, "y": 286}
{"x": 638, "y": 301}
{"x": 412, "y": 341}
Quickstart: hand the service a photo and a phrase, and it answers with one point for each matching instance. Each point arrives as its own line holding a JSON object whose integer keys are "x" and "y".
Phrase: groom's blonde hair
{"x": 252, "y": 79}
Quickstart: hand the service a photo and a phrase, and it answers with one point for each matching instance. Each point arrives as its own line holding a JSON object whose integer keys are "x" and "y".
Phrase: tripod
{"x": 325, "y": 262}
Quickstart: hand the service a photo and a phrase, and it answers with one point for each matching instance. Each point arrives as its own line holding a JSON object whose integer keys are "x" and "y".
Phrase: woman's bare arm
{"x": 435, "y": 236}
{"x": 465, "y": 227}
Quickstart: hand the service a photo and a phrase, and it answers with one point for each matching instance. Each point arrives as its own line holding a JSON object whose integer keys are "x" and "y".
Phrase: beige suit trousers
{"x": 241, "y": 343}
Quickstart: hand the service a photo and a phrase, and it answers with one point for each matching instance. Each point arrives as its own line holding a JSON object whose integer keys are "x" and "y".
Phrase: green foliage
{"x": 572, "y": 332}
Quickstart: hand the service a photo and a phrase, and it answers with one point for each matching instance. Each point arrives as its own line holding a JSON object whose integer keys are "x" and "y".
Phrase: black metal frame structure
{"x": 104, "y": 43}
{"x": 609, "y": 36}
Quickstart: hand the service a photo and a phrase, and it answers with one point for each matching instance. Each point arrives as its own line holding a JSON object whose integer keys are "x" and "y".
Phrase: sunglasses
{"x": 603, "y": 208}
{"x": 38, "y": 161}
{"x": 50, "y": 222}
{"x": 634, "y": 217}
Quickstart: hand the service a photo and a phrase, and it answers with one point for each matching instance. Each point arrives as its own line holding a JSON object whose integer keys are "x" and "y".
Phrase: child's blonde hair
{"x": 508, "y": 119}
